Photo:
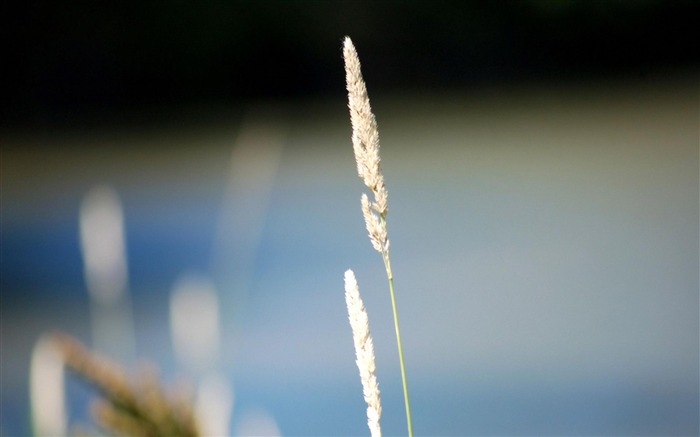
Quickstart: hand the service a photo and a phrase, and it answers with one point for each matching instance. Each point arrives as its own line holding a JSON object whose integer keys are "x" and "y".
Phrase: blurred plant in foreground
{"x": 137, "y": 409}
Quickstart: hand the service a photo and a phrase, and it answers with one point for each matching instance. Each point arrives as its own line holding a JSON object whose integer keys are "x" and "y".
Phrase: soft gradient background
{"x": 543, "y": 208}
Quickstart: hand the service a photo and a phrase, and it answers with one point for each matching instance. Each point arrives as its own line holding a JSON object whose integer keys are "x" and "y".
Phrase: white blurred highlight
{"x": 194, "y": 323}
{"x": 102, "y": 243}
{"x": 195, "y": 331}
{"x": 104, "y": 258}
{"x": 46, "y": 389}
{"x": 257, "y": 422}
{"x": 214, "y": 405}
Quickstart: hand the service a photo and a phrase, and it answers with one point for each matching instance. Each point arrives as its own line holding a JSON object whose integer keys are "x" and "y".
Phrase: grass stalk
{"x": 390, "y": 276}
{"x": 365, "y": 142}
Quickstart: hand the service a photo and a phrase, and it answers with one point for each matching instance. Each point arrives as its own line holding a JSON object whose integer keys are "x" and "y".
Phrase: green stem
{"x": 390, "y": 276}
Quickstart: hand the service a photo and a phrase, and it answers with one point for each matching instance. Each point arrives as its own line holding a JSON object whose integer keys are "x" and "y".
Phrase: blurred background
{"x": 178, "y": 186}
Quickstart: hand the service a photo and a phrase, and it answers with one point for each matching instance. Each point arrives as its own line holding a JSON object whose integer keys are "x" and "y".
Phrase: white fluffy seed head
{"x": 365, "y": 135}
{"x": 375, "y": 227}
{"x": 364, "y": 352}
{"x": 365, "y": 142}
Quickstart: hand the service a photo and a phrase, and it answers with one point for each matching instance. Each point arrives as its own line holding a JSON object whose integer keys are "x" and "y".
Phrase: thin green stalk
{"x": 390, "y": 276}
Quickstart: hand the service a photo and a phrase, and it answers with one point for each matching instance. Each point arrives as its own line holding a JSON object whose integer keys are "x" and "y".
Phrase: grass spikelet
{"x": 364, "y": 351}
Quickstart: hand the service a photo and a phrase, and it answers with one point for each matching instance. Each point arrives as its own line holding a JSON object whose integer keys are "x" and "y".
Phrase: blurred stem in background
{"x": 106, "y": 273}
